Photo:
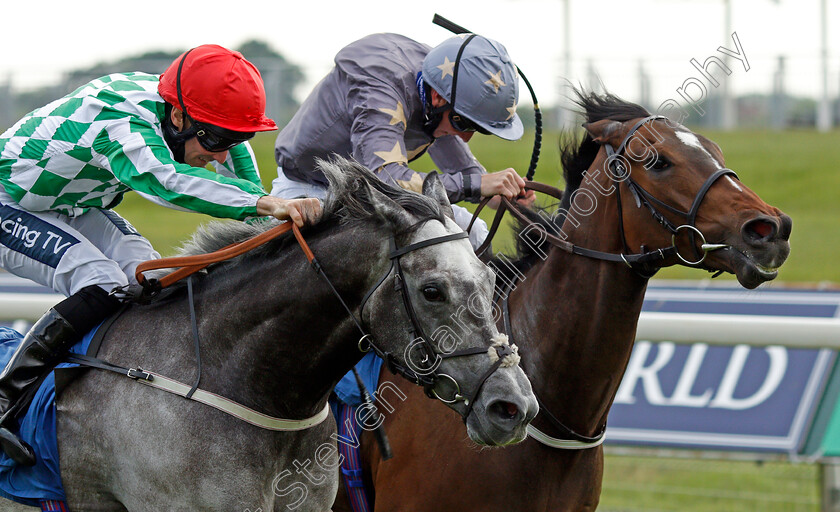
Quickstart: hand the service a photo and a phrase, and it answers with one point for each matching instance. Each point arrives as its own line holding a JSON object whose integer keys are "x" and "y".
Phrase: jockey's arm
{"x": 194, "y": 188}
{"x": 452, "y": 154}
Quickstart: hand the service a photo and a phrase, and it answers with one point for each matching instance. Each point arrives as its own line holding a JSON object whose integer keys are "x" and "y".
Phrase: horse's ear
{"x": 432, "y": 187}
{"x": 605, "y": 131}
{"x": 389, "y": 209}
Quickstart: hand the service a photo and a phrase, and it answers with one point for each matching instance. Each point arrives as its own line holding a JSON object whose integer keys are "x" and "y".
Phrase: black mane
{"x": 576, "y": 156}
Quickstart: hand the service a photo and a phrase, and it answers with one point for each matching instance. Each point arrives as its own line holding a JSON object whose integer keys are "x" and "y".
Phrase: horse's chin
{"x": 487, "y": 435}
{"x": 749, "y": 272}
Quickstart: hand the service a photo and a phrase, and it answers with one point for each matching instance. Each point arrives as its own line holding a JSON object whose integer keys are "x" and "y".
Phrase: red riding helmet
{"x": 217, "y": 86}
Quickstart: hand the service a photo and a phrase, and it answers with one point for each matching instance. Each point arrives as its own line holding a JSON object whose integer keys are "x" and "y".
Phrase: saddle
{"x": 37, "y": 426}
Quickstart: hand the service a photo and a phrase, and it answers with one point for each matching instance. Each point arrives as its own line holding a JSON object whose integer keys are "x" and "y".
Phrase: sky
{"x": 610, "y": 39}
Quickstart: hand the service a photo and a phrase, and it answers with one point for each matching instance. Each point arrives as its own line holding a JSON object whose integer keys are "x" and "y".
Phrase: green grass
{"x": 636, "y": 484}
{"x": 797, "y": 171}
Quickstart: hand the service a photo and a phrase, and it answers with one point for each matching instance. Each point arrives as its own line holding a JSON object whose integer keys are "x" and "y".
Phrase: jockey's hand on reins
{"x": 527, "y": 199}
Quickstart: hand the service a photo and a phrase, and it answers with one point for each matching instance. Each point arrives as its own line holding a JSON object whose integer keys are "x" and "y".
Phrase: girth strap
{"x": 235, "y": 409}
{"x": 221, "y": 403}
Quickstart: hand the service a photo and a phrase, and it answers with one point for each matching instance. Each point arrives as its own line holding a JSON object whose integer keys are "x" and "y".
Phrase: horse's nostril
{"x": 763, "y": 229}
{"x": 511, "y": 409}
{"x": 506, "y": 410}
{"x": 759, "y": 230}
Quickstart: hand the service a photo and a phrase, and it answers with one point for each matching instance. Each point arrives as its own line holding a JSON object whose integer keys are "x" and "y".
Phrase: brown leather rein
{"x": 508, "y": 205}
{"x": 188, "y": 265}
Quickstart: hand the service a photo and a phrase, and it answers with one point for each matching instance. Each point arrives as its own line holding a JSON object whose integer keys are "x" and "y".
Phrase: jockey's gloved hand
{"x": 507, "y": 183}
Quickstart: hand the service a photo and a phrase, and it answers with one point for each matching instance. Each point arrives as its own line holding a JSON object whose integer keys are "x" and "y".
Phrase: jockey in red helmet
{"x": 215, "y": 96}
{"x": 64, "y": 166}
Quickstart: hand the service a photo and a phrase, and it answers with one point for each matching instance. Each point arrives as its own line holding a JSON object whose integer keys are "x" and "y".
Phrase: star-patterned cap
{"x": 487, "y": 85}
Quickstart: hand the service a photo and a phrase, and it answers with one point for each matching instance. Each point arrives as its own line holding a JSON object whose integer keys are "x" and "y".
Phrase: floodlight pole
{"x": 567, "y": 116}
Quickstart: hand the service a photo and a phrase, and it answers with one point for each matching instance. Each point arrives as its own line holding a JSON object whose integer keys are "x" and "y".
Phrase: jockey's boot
{"x": 42, "y": 348}
{"x": 37, "y": 354}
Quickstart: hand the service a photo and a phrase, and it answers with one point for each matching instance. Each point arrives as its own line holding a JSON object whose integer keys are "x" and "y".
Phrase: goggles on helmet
{"x": 462, "y": 124}
{"x": 217, "y": 139}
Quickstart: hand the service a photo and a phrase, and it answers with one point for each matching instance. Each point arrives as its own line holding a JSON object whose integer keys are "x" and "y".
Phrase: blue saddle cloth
{"x": 347, "y": 390}
{"x": 30, "y": 485}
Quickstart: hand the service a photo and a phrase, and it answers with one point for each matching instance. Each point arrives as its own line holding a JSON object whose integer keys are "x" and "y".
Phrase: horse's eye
{"x": 433, "y": 294}
{"x": 660, "y": 164}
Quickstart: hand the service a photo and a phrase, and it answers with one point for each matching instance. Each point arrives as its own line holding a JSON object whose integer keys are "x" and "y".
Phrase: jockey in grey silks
{"x": 389, "y": 99}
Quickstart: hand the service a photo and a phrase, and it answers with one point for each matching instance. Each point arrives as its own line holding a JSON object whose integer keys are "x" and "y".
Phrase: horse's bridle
{"x": 427, "y": 377}
{"x": 643, "y": 197}
{"x": 642, "y": 263}
{"x": 639, "y": 262}
{"x": 188, "y": 265}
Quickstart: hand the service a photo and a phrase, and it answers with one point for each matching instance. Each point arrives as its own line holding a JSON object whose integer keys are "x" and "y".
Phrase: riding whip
{"x": 535, "y": 154}
{"x": 379, "y": 432}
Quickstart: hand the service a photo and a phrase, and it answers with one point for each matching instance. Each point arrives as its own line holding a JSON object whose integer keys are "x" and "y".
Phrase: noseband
{"x": 643, "y": 197}
{"x": 427, "y": 377}
{"x": 642, "y": 263}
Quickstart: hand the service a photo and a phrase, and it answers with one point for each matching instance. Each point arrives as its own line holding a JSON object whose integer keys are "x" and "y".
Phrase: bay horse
{"x": 276, "y": 338}
{"x": 641, "y": 193}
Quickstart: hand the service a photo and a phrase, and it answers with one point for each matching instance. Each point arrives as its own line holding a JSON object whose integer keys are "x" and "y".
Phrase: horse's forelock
{"x": 596, "y": 107}
{"x": 577, "y": 156}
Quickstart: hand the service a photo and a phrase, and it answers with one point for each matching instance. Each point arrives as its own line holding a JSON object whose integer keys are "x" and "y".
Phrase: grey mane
{"x": 351, "y": 198}
{"x": 352, "y": 193}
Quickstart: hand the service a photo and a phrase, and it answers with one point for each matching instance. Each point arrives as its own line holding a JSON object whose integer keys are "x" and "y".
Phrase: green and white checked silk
{"x": 104, "y": 139}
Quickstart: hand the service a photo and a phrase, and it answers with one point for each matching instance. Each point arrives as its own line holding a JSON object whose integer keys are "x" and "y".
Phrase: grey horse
{"x": 275, "y": 338}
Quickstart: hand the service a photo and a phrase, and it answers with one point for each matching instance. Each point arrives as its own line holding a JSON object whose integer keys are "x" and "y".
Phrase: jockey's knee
{"x": 479, "y": 230}
{"x": 87, "y": 308}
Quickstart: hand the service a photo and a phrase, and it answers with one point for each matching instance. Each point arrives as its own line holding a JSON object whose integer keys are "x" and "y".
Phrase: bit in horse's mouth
{"x": 766, "y": 273}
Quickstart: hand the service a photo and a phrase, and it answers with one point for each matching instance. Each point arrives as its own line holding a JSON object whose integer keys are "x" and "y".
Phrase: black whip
{"x": 379, "y": 432}
{"x": 535, "y": 154}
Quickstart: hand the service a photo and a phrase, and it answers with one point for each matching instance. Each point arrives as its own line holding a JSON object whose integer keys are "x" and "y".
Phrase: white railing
{"x": 26, "y": 306}
{"x": 756, "y": 330}
{"x": 714, "y": 329}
